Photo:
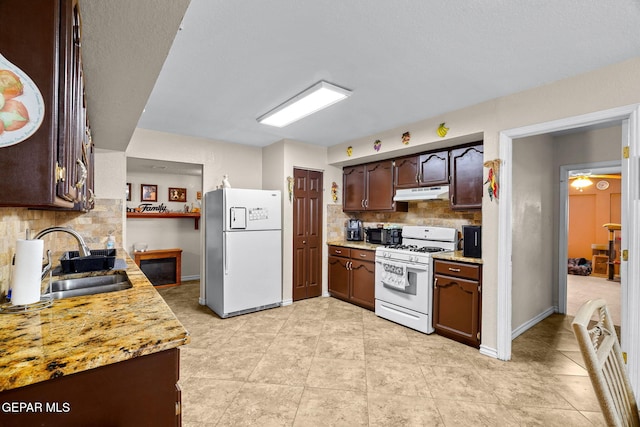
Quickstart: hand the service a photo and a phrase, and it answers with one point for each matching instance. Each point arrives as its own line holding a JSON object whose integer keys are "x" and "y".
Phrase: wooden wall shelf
{"x": 194, "y": 215}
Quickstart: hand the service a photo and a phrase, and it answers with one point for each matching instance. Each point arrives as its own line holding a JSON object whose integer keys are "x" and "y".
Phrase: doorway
{"x": 590, "y": 274}
{"x": 629, "y": 266}
{"x": 307, "y": 233}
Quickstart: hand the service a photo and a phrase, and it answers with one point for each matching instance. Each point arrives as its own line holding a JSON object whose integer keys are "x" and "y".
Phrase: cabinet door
{"x": 353, "y": 188}
{"x": 456, "y": 309}
{"x": 406, "y": 172}
{"x": 363, "y": 283}
{"x": 28, "y": 169}
{"x": 466, "y": 178}
{"x": 135, "y": 392}
{"x": 339, "y": 277}
{"x": 70, "y": 132}
{"x": 380, "y": 186}
{"x": 434, "y": 168}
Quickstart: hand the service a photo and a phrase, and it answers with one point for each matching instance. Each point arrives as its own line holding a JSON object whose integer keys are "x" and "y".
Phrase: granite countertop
{"x": 354, "y": 244}
{"x": 81, "y": 333}
{"x": 455, "y": 256}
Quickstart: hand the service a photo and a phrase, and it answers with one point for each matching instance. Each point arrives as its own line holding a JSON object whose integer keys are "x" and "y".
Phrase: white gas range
{"x": 404, "y": 279}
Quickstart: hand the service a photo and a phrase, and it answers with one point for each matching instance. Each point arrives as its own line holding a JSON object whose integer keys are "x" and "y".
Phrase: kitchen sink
{"x": 91, "y": 285}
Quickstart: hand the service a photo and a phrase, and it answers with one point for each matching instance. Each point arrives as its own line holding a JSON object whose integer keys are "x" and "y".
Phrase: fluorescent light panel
{"x": 319, "y": 96}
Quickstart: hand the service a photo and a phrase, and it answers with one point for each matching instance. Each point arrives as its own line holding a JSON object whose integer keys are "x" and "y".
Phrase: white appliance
{"x": 243, "y": 250}
{"x": 422, "y": 193}
{"x": 404, "y": 277}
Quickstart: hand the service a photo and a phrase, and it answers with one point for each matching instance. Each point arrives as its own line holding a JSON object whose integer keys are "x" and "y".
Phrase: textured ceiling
{"x": 124, "y": 44}
{"x": 405, "y": 60}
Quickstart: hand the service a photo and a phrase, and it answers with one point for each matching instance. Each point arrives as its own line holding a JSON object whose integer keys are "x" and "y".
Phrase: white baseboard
{"x": 488, "y": 351}
{"x": 202, "y": 301}
{"x": 326, "y": 294}
{"x": 188, "y": 278}
{"x": 532, "y": 322}
{"x": 287, "y": 302}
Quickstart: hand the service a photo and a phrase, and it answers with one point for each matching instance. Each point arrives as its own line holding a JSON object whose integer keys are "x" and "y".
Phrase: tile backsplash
{"x": 95, "y": 226}
{"x": 433, "y": 212}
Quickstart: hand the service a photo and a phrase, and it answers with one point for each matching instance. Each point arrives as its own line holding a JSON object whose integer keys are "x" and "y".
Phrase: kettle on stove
{"x": 354, "y": 229}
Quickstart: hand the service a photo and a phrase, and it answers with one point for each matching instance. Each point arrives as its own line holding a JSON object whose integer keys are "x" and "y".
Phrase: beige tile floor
{"x": 323, "y": 362}
{"x": 584, "y": 288}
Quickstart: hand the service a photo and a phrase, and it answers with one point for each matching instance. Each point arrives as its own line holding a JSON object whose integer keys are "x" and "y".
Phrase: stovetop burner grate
{"x": 415, "y": 248}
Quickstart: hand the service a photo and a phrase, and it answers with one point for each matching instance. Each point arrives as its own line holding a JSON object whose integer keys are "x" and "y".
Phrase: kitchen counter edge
{"x": 354, "y": 244}
{"x": 455, "y": 256}
{"x": 82, "y": 333}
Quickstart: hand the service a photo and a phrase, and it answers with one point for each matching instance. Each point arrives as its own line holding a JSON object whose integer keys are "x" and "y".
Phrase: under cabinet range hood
{"x": 424, "y": 193}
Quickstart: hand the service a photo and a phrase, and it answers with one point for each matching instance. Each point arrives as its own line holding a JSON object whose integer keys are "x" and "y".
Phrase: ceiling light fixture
{"x": 315, "y": 98}
{"x": 581, "y": 182}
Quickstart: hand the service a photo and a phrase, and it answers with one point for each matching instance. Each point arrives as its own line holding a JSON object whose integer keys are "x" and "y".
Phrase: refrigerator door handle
{"x": 225, "y": 254}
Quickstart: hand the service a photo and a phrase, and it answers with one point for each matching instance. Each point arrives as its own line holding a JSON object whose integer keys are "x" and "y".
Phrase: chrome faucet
{"x": 83, "y": 249}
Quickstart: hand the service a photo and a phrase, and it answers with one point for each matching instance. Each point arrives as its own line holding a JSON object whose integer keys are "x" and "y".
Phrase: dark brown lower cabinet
{"x": 142, "y": 391}
{"x": 457, "y": 301}
{"x": 352, "y": 275}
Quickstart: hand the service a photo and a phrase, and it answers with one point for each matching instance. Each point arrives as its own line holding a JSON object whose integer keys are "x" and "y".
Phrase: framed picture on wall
{"x": 177, "y": 194}
{"x": 127, "y": 192}
{"x": 148, "y": 193}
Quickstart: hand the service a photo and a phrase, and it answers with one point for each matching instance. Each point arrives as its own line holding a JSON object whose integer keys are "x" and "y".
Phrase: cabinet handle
{"x": 366, "y": 203}
{"x": 338, "y": 252}
{"x": 362, "y": 203}
{"x": 61, "y": 173}
{"x": 83, "y": 173}
{"x": 457, "y": 270}
{"x": 363, "y": 255}
{"x": 435, "y": 283}
{"x": 304, "y": 242}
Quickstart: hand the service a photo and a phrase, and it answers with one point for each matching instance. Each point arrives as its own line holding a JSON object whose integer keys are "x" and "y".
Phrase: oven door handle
{"x": 409, "y": 265}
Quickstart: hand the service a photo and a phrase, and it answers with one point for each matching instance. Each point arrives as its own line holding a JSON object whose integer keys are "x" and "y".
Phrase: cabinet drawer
{"x": 339, "y": 251}
{"x": 457, "y": 269}
{"x": 363, "y": 254}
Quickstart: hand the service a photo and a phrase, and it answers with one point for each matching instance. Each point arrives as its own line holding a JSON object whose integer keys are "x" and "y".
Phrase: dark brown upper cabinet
{"x": 422, "y": 170}
{"x": 354, "y": 187}
{"x": 465, "y": 191}
{"x": 50, "y": 169}
{"x": 369, "y": 187}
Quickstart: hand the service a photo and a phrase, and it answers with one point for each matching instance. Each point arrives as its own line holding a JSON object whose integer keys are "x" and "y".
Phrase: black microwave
{"x": 384, "y": 236}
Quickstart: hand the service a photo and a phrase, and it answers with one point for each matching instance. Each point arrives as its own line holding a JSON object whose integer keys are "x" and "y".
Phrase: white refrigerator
{"x": 243, "y": 250}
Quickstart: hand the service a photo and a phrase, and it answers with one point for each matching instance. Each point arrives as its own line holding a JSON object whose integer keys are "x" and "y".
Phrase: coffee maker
{"x": 354, "y": 229}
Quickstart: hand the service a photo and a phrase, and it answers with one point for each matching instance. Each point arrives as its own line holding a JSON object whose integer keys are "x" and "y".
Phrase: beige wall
{"x": 167, "y": 233}
{"x": 243, "y": 164}
{"x": 605, "y": 88}
{"x": 534, "y": 247}
{"x": 304, "y": 156}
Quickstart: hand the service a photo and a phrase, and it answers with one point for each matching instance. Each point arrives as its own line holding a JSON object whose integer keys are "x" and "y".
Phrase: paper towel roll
{"x": 27, "y": 272}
